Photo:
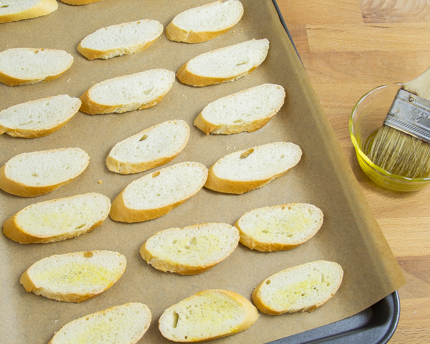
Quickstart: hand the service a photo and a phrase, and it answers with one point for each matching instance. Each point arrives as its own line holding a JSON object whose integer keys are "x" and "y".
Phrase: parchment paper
{"x": 349, "y": 235}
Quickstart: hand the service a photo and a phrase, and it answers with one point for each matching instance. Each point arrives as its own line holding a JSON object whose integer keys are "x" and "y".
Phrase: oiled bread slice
{"x": 152, "y": 147}
{"x": 127, "y": 93}
{"x": 247, "y": 110}
{"x": 224, "y": 64}
{"x": 27, "y": 66}
{"x": 200, "y": 24}
{"x": 58, "y": 219}
{"x": 38, "y": 173}
{"x": 300, "y": 288}
{"x": 14, "y": 10}
{"x": 207, "y": 315}
{"x": 79, "y": 2}
{"x": 124, "y": 324}
{"x": 190, "y": 250}
{"x": 252, "y": 168}
{"x": 279, "y": 227}
{"x": 74, "y": 277}
{"x": 38, "y": 117}
{"x": 155, "y": 194}
{"x": 120, "y": 39}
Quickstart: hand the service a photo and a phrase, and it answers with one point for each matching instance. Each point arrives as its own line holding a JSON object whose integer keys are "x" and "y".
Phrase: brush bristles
{"x": 400, "y": 153}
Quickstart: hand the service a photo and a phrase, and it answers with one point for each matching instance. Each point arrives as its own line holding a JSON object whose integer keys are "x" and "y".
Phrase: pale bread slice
{"x": 74, "y": 277}
{"x": 297, "y": 289}
{"x": 125, "y": 324}
{"x": 38, "y": 173}
{"x": 28, "y": 66}
{"x": 38, "y": 117}
{"x": 79, "y": 2}
{"x": 224, "y": 64}
{"x": 247, "y": 110}
{"x": 279, "y": 227}
{"x": 15, "y": 10}
{"x": 252, "y": 168}
{"x": 58, "y": 219}
{"x": 127, "y": 93}
{"x": 190, "y": 250}
{"x": 120, "y": 39}
{"x": 207, "y": 315}
{"x": 155, "y": 194}
{"x": 202, "y": 23}
{"x": 152, "y": 147}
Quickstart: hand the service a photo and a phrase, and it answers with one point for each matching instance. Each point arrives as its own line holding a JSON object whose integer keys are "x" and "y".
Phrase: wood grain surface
{"x": 349, "y": 47}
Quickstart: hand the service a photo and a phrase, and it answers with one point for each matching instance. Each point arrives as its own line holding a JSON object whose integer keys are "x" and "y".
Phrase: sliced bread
{"x": 125, "y": 324}
{"x": 38, "y": 117}
{"x": 224, "y": 64}
{"x": 155, "y": 194}
{"x": 207, "y": 315}
{"x": 252, "y": 168}
{"x": 58, "y": 219}
{"x": 280, "y": 227}
{"x": 38, "y": 173}
{"x": 300, "y": 288}
{"x": 79, "y": 2}
{"x": 190, "y": 250}
{"x": 120, "y": 39}
{"x": 14, "y": 10}
{"x": 247, "y": 110}
{"x": 200, "y": 24}
{"x": 127, "y": 93}
{"x": 27, "y": 66}
{"x": 150, "y": 148}
{"x": 74, "y": 277}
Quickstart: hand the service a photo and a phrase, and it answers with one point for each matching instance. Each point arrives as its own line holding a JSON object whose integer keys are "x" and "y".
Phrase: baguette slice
{"x": 190, "y": 250}
{"x": 207, "y": 315}
{"x": 247, "y": 110}
{"x": 121, "y": 39}
{"x": 38, "y": 173}
{"x": 38, "y": 117}
{"x": 15, "y": 10}
{"x": 150, "y": 148}
{"x": 74, "y": 277}
{"x": 79, "y": 2}
{"x": 224, "y": 64}
{"x": 58, "y": 219}
{"x": 28, "y": 66}
{"x": 280, "y": 227}
{"x": 127, "y": 93}
{"x": 155, "y": 194}
{"x": 300, "y": 288}
{"x": 124, "y": 324}
{"x": 245, "y": 170}
{"x": 200, "y": 24}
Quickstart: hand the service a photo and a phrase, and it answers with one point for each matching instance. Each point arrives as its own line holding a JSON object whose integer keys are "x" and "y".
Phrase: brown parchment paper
{"x": 349, "y": 235}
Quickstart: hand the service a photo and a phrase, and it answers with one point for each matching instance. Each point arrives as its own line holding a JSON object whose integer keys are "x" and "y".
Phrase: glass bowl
{"x": 366, "y": 118}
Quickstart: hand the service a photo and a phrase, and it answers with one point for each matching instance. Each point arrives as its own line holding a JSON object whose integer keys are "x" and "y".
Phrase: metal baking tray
{"x": 375, "y": 324}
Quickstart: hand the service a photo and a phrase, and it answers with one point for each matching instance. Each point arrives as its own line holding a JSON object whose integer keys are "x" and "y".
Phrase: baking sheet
{"x": 349, "y": 236}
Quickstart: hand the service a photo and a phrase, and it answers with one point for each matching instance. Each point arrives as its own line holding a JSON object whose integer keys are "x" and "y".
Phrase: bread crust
{"x": 92, "y": 54}
{"x": 176, "y": 34}
{"x": 43, "y": 8}
{"x": 251, "y": 315}
{"x": 12, "y": 81}
{"x": 79, "y": 2}
{"x": 188, "y": 78}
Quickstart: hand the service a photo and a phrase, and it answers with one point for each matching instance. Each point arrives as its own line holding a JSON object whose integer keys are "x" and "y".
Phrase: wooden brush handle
{"x": 420, "y": 85}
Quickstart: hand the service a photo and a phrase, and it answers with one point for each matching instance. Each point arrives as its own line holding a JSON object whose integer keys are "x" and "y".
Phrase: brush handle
{"x": 420, "y": 85}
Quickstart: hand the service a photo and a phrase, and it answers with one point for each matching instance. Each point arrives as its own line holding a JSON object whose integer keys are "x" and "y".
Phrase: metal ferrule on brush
{"x": 410, "y": 114}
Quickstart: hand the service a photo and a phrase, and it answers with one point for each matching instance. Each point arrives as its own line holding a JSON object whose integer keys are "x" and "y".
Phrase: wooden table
{"x": 348, "y": 47}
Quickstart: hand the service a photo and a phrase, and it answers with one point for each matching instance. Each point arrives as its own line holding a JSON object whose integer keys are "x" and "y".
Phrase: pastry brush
{"x": 402, "y": 145}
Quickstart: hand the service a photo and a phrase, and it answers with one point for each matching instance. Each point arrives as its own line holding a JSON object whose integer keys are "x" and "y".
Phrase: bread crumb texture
{"x": 206, "y": 315}
{"x": 300, "y": 288}
{"x": 120, "y": 324}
